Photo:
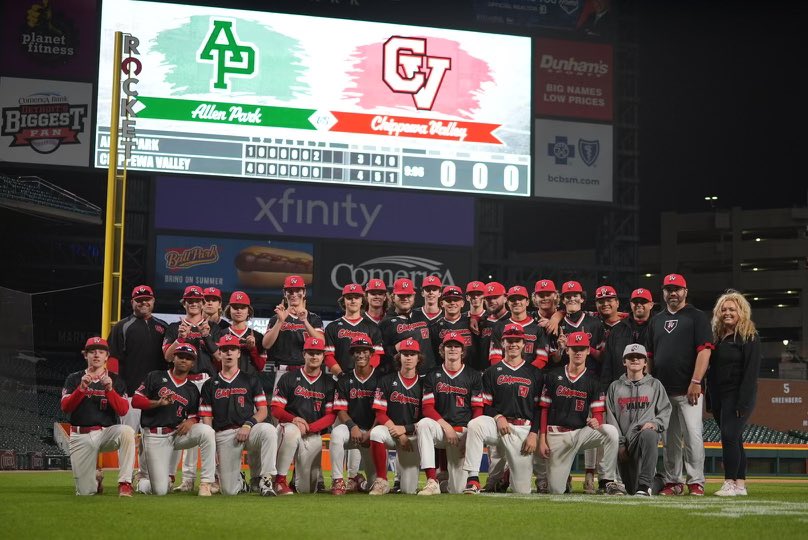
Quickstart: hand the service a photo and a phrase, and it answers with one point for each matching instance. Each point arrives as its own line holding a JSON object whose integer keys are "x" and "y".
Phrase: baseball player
{"x": 212, "y": 307}
{"x": 195, "y": 329}
{"x": 95, "y": 399}
{"x": 510, "y": 422}
{"x": 404, "y": 324}
{"x": 568, "y": 399}
{"x": 474, "y": 296}
{"x": 377, "y": 301}
{"x": 452, "y": 396}
{"x": 239, "y": 310}
{"x": 638, "y": 406}
{"x": 454, "y": 320}
{"x": 536, "y": 343}
{"x": 353, "y": 403}
{"x": 170, "y": 404}
{"x": 545, "y": 301}
{"x": 430, "y": 292}
{"x": 397, "y": 403}
{"x": 340, "y": 333}
{"x": 303, "y": 404}
{"x": 235, "y": 405}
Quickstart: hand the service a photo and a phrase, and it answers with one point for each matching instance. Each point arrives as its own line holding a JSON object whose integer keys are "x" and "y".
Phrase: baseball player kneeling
{"x": 303, "y": 404}
{"x": 510, "y": 396}
{"x": 452, "y": 397}
{"x": 235, "y": 405}
{"x": 571, "y": 393}
{"x": 95, "y": 399}
{"x": 170, "y": 404}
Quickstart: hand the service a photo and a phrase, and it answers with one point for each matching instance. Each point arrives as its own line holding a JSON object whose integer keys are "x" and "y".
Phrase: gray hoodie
{"x": 630, "y": 404}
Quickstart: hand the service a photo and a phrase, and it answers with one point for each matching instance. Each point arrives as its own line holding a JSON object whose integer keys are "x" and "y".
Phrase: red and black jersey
{"x": 513, "y": 392}
{"x": 205, "y": 346}
{"x": 536, "y": 342}
{"x": 95, "y": 408}
{"x": 453, "y": 395}
{"x": 299, "y": 395}
{"x": 250, "y": 359}
{"x": 288, "y": 347}
{"x": 231, "y": 402}
{"x": 624, "y": 333}
{"x": 570, "y": 400}
{"x": 401, "y": 403}
{"x": 486, "y": 328}
{"x": 138, "y": 345}
{"x": 355, "y": 396}
{"x": 159, "y": 384}
{"x": 340, "y": 333}
{"x": 461, "y": 326}
{"x": 582, "y": 322}
{"x": 397, "y": 328}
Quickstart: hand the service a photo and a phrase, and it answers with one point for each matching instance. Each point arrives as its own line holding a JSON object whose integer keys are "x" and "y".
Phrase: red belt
{"x": 459, "y": 429}
{"x": 518, "y": 421}
{"x": 84, "y": 429}
{"x": 559, "y": 429}
{"x": 162, "y": 430}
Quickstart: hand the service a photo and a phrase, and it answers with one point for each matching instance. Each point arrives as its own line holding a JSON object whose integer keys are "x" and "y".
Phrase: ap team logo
{"x": 562, "y": 151}
{"x": 230, "y": 57}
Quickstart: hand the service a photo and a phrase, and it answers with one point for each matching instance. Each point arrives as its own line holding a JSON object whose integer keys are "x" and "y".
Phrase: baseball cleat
{"x": 143, "y": 486}
{"x": 215, "y": 487}
{"x": 255, "y": 481}
{"x": 696, "y": 490}
{"x": 265, "y": 487}
{"x": 432, "y": 487}
{"x": 245, "y": 486}
{"x": 99, "y": 479}
{"x": 672, "y": 489}
{"x": 204, "y": 489}
{"x": 643, "y": 492}
{"x": 472, "y": 487}
{"x": 320, "y": 487}
{"x": 338, "y": 487}
{"x": 589, "y": 483}
{"x": 615, "y": 488}
{"x": 542, "y": 486}
{"x": 282, "y": 488}
{"x": 380, "y": 487}
{"x": 396, "y": 487}
{"x": 124, "y": 489}
{"x": 568, "y": 489}
{"x": 186, "y": 486}
{"x": 727, "y": 490}
{"x": 355, "y": 484}
{"x": 443, "y": 481}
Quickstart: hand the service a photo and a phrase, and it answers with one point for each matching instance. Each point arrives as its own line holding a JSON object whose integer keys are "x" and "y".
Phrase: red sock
{"x": 430, "y": 473}
{"x": 379, "y": 452}
{"x": 591, "y": 470}
{"x": 280, "y": 478}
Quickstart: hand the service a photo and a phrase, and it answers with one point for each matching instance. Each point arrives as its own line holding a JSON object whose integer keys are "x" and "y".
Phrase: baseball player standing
{"x": 303, "y": 403}
{"x": 339, "y": 335}
{"x": 195, "y": 329}
{"x": 239, "y": 310}
{"x": 536, "y": 343}
{"x": 397, "y": 403}
{"x": 95, "y": 400}
{"x": 170, "y": 405}
{"x": 235, "y": 405}
{"x": 453, "y": 320}
{"x": 510, "y": 422}
{"x": 404, "y": 324}
{"x": 377, "y": 301}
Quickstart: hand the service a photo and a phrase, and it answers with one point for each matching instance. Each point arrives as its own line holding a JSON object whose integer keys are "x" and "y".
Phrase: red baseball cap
{"x": 517, "y": 290}
{"x": 352, "y": 288}
{"x": 571, "y": 287}
{"x": 142, "y": 291}
{"x": 314, "y": 344}
{"x": 192, "y": 291}
{"x": 605, "y": 291}
{"x": 403, "y": 286}
{"x": 187, "y": 348}
{"x": 578, "y": 339}
{"x": 294, "y": 282}
{"x": 409, "y": 344}
{"x": 240, "y": 298}
{"x": 674, "y": 280}
{"x": 212, "y": 291}
{"x": 376, "y": 285}
{"x": 228, "y": 340}
{"x": 513, "y": 331}
{"x": 642, "y": 293}
{"x": 96, "y": 342}
{"x": 452, "y": 291}
{"x": 475, "y": 287}
{"x": 431, "y": 281}
{"x": 361, "y": 342}
{"x": 494, "y": 288}
{"x": 454, "y": 336}
{"x": 545, "y": 285}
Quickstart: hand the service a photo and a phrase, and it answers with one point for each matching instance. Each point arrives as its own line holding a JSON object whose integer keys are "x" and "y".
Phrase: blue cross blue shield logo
{"x": 588, "y": 151}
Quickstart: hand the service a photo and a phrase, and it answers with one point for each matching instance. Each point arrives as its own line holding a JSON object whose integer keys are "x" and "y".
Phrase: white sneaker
{"x": 728, "y": 489}
{"x": 143, "y": 486}
{"x": 432, "y": 487}
{"x": 186, "y": 486}
{"x": 380, "y": 487}
{"x": 740, "y": 491}
{"x": 204, "y": 489}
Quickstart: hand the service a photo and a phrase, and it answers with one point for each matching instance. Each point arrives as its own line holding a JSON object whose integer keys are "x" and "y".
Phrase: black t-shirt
{"x": 340, "y": 333}
{"x": 622, "y": 334}
{"x": 138, "y": 346}
{"x": 355, "y": 396}
{"x": 513, "y": 391}
{"x": 571, "y": 400}
{"x": 401, "y": 403}
{"x": 288, "y": 347}
{"x": 231, "y": 401}
{"x": 205, "y": 346}
{"x": 158, "y": 384}
{"x": 310, "y": 399}
{"x": 453, "y": 395}
{"x": 94, "y": 409}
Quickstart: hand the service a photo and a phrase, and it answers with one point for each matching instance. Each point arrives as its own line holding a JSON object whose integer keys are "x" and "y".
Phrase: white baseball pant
{"x": 483, "y": 431}
{"x": 564, "y": 445}
{"x": 431, "y": 436}
{"x": 261, "y": 446}
{"x": 190, "y": 460}
{"x": 84, "y": 449}
{"x": 407, "y": 461}
{"x": 159, "y": 449}
{"x": 684, "y": 439}
{"x": 305, "y": 450}
{"x": 340, "y": 442}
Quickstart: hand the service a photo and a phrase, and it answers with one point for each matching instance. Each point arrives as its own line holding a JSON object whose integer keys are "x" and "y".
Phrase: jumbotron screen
{"x": 296, "y": 98}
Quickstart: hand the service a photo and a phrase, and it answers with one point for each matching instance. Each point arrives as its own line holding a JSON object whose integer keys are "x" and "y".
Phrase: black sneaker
{"x": 396, "y": 487}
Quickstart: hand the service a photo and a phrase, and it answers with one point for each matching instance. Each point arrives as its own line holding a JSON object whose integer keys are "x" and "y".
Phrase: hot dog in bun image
{"x": 264, "y": 267}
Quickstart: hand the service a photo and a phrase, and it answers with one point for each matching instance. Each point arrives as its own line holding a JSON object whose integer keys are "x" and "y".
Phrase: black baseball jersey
{"x": 355, "y": 396}
{"x": 231, "y": 401}
{"x": 582, "y": 322}
{"x": 453, "y": 395}
{"x": 245, "y": 363}
{"x": 624, "y": 333}
{"x": 340, "y": 333}
{"x": 673, "y": 341}
{"x": 536, "y": 341}
{"x": 571, "y": 400}
{"x": 397, "y": 328}
{"x": 310, "y": 399}
{"x": 94, "y": 409}
{"x": 513, "y": 391}
{"x": 138, "y": 345}
{"x": 158, "y": 384}
{"x": 401, "y": 403}
{"x": 205, "y": 346}
{"x": 443, "y": 326}
{"x": 486, "y": 328}
{"x": 288, "y": 348}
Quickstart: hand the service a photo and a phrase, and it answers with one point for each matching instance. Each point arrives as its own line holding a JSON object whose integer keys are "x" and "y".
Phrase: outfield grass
{"x": 42, "y": 505}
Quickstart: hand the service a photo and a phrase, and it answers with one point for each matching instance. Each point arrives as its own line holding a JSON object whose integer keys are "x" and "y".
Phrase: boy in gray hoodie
{"x": 638, "y": 406}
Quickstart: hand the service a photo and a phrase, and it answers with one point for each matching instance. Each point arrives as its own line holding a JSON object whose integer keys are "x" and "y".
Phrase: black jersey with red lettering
{"x": 513, "y": 392}
{"x": 572, "y": 399}
{"x": 536, "y": 341}
{"x": 486, "y": 330}
{"x": 355, "y": 396}
{"x": 308, "y": 398}
{"x": 94, "y": 409}
{"x": 137, "y": 343}
{"x": 453, "y": 394}
{"x": 245, "y": 362}
{"x": 233, "y": 401}
{"x": 582, "y": 322}
{"x": 288, "y": 347}
{"x": 397, "y": 328}
{"x": 401, "y": 403}
{"x": 205, "y": 346}
{"x": 462, "y": 327}
{"x": 185, "y": 403}
{"x": 340, "y": 333}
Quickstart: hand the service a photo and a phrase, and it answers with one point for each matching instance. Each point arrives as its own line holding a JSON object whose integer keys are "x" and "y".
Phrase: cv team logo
{"x": 407, "y": 69}
{"x": 229, "y": 56}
